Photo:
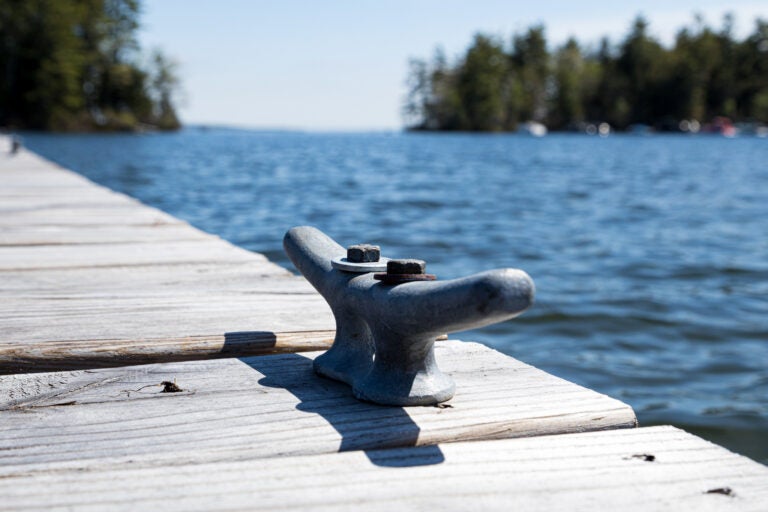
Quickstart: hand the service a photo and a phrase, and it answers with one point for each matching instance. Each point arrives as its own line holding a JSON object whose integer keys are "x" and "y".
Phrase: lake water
{"x": 650, "y": 254}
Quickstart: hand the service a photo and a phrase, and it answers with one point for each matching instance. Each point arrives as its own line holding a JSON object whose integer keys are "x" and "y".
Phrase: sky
{"x": 341, "y": 65}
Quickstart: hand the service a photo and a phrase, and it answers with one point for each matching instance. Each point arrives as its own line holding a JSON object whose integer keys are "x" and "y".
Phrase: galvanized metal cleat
{"x": 386, "y": 329}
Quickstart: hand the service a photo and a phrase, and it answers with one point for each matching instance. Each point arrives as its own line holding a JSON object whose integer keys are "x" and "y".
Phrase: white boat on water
{"x": 532, "y": 128}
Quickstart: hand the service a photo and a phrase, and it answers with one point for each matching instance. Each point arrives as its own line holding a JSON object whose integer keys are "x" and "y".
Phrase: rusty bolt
{"x": 363, "y": 253}
{"x": 413, "y": 267}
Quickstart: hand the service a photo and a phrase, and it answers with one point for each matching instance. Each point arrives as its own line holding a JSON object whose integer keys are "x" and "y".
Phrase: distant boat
{"x": 532, "y": 128}
{"x": 721, "y": 126}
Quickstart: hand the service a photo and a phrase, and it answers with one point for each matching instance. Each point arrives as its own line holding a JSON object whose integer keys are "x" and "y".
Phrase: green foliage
{"x": 481, "y": 84}
{"x": 531, "y": 71}
{"x": 74, "y": 65}
{"x": 572, "y": 76}
{"x": 492, "y": 87}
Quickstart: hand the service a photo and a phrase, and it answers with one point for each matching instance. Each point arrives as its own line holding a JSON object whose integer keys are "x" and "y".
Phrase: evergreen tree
{"x": 570, "y": 76}
{"x": 707, "y": 73}
{"x": 74, "y": 65}
{"x": 752, "y": 73}
{"x": 530, "y": 61}
{"x": 481, "y": 85}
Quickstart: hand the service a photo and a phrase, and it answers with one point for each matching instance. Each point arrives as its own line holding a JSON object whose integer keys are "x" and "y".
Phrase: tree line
{"x": 76, "y": 65}
{"x": 494, "y": 85}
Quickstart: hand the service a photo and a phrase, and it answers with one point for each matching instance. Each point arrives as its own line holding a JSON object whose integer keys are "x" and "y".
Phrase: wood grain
{"x": 577, "y": 472}
{"x": 125, "y": 254}
{"x": 71, "y": 235}
{"x": 275, "y": 405}
{"x": 126, "y": 215}
{"x": 69, "y": 318}
{"x": 80, "y": 197}
{"x": 103, "y": 353}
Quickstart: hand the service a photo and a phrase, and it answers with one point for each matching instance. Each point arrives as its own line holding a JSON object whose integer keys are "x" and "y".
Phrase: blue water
{"x": 650, "y": 254}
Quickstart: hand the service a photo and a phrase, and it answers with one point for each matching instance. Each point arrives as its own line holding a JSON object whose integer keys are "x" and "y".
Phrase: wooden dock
{"x": 91, "y": 277}
{"x": 147, "y": 365}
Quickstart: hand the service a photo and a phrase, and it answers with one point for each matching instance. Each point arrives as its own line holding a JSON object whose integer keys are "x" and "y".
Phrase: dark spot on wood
{"x": 23, "y": 407}
{"x": 73, "y": 402}
{"x": 726, "y": 491}
{"x": 170, "y": 387}
{"x": 647, "y": 457}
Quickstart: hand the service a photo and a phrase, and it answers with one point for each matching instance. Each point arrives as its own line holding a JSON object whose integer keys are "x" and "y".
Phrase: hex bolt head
{"x": 412, "y": 267}
{"x": 363, "y": 253}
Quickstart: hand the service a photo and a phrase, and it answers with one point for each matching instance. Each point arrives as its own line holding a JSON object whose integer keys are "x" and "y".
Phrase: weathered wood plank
{"x": 39, "y": 176}
{"x": 70, "y": 235}
{"x": 24, "y": 321}
{"x": 577, "y": 472}
{"x": 43, "y": 191}
{"x": 209, "y": 250}
{"x": 68, "y": 318}
{"x": 124, "y": 215}
{"x": 82, "y": 197}
{"x": 269, "y": 406}
{"x": 253, "y": 276}
{"x": 103, "y": 353}
{"x": 93, "y": 317}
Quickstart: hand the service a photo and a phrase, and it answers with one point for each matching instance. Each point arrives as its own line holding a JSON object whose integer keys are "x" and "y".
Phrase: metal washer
{"x": 341, "y": 263}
